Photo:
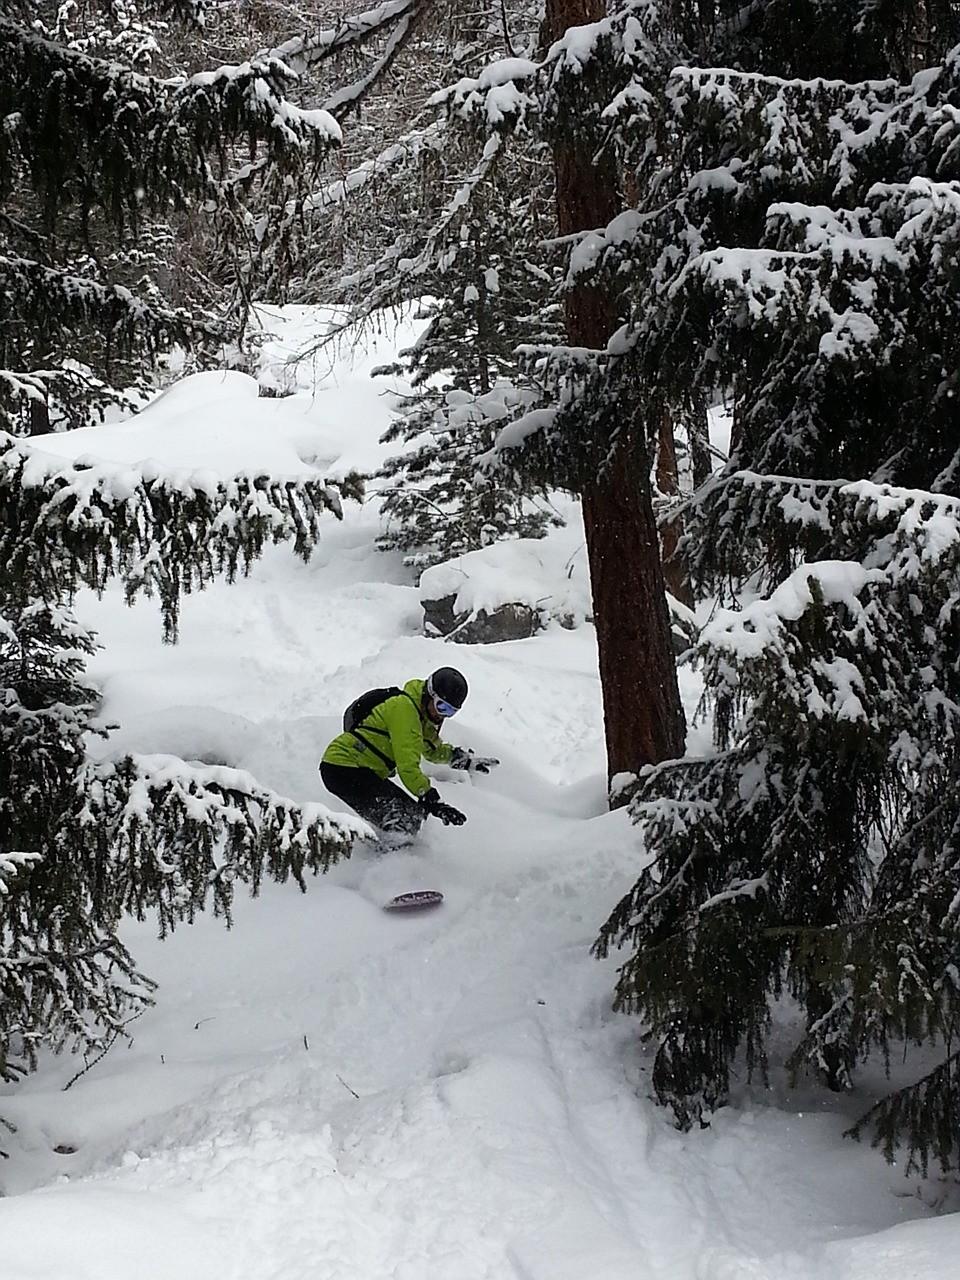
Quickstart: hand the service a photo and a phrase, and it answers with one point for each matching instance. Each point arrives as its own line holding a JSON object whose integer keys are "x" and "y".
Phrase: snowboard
{"x": 417, "y": 901}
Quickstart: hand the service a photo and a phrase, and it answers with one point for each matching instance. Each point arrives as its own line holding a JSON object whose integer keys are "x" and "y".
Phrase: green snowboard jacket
{"x": 403, "y": 732}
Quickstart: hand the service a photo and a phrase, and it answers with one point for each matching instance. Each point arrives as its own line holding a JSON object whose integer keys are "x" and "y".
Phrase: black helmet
{"x": 447, "y": 685}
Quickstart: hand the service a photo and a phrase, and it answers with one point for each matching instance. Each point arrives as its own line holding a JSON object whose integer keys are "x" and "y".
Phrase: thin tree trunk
{"x": 736, "y": 426}
{"x": 668, "y": 482}
{"x": 643, "y": 716}
{"x": 698, "y": 436}
{"x": 39, "y": 418}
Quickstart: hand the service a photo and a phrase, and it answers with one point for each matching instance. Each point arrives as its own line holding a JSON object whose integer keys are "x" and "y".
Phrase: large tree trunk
{"x": 643, "y": 715}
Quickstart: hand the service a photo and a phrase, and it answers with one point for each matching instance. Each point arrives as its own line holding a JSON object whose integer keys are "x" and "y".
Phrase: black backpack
{"x": 361, "y": 707}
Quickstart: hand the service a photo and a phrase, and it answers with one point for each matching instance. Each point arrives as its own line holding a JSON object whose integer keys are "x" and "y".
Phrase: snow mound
{"x": 214, "y": 424}
{"x": 921, "y": 1250}
{"x": 548, "y": 575}
{"x": 312, "y": 411}
{"x": 296, "y": 357}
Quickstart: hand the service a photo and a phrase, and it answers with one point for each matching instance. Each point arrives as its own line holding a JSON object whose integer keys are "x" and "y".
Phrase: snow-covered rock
{"x": 510, "y": 590}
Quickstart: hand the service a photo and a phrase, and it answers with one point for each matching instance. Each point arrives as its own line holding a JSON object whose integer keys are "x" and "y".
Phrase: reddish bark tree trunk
{"x": 643, "y": 715}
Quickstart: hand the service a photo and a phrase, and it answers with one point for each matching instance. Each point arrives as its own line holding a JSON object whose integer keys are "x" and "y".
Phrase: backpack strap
{"x": 391, "y": 764}
{"x": 383, "y": 733}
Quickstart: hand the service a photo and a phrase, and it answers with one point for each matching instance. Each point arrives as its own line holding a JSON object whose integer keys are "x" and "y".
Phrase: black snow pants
{"x": 378, "y": 801}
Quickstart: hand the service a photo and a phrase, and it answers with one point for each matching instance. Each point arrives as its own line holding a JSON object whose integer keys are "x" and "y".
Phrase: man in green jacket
{"x": 388, "y": 731}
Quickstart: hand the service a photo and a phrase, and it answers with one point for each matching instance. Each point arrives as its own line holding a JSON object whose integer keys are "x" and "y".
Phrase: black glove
{"x": 448, "y": 815}
{"x": 464, "y": 758}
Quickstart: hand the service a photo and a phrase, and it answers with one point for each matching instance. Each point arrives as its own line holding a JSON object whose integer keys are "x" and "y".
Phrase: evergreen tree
{"x": 61, "y": 973}
{"x": 440, "y": 502}
{"x": 802, "y": 249}
{"x": 584, "y": 432}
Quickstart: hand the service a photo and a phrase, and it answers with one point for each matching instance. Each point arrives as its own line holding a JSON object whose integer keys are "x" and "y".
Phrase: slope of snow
{"x": 326, "y": 1092}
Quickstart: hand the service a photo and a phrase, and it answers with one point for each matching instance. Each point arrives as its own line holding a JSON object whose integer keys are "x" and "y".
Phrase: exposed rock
{"x": 509, "y": 622}
{"x": 439, "y": 618}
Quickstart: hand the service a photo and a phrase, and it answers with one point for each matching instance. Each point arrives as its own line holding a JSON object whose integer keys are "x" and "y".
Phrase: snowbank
{"x": 310, "y": 412}
{"x": 547, "y": 575}
{"x": 920, "y": 1250}
{"x": 295, "y": 359}
{"x": 208, "y": 428}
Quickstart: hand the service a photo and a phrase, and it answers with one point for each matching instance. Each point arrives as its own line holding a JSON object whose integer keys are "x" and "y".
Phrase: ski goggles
{"x": 445, "y": 709}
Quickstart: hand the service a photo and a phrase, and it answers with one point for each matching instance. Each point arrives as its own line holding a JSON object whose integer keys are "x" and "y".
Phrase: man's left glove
{"x": 431, "y": 803}
{"x": 464, "y": 758}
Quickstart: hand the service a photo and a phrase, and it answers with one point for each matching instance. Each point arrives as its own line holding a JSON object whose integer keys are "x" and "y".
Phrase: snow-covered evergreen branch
{"x": 139, "y": 139}
{"x": 162, "y": 531}
{"x": 59, "y": 299}
{"x": 166, "y": 835}
{"x": 838, "y": 714}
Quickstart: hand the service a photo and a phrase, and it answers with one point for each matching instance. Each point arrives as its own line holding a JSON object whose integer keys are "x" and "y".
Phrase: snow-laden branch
{"x": 13, "y": 862}
{"x": 630, "y": 48}
{"x": 902, "y": 544}
{"x": 66, "y": 298}
{"x": 919, "y": 120}
{"x": 405, "y": 275}
{"x": 350, "y": 96}
{"x": 259, "y": 84}
{"x": 23, "y": 386}
{"x": 899, "y": 222}
{"x": 501, "y": 96}
{"x": 140, "y": 141}
{"x": 168, "y": 529}
{"x": 301, "y": 52}
{"x": 174, "y": 833}
{"x": 406, "y": 150}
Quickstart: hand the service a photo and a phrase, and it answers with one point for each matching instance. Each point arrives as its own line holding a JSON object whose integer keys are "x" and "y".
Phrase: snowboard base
{"x": 417, "y": 901}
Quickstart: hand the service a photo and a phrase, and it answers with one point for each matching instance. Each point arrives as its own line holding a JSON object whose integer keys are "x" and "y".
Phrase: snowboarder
{"x": 389, "y": 731}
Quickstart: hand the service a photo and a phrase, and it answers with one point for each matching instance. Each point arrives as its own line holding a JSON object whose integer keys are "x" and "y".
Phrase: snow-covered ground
{"x": 328, "y": 1092}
